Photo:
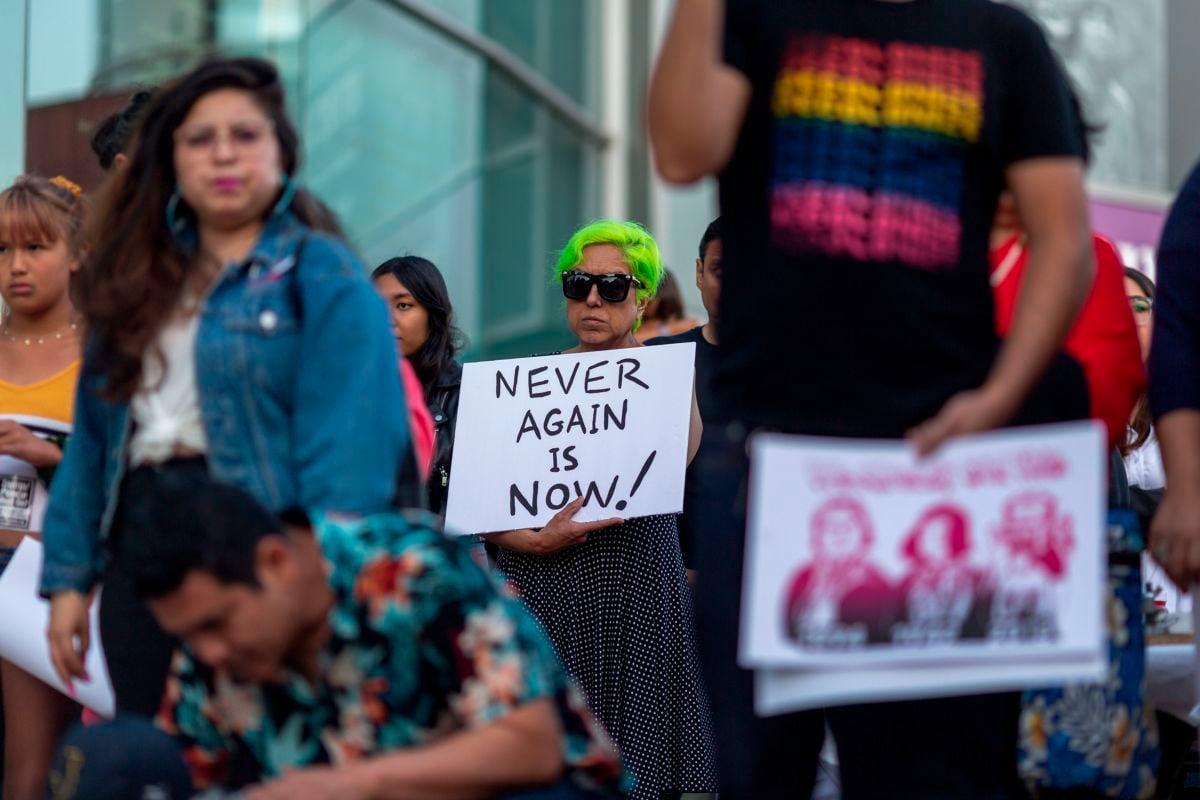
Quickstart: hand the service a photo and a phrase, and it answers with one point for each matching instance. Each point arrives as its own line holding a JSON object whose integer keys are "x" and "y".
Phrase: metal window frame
{"x": 503, "y": 60}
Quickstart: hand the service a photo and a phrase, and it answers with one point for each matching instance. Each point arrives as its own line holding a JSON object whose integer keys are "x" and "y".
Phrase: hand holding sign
{"x": 965, "y": 413}
{"x": 19, "y": 442}
{"x": 561, "y": 533}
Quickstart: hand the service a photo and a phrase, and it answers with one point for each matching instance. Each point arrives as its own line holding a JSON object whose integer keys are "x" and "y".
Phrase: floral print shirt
{"x": 423, "y": 644}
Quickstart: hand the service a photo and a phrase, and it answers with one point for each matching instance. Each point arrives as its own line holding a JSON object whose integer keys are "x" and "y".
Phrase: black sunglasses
{"x": 612, "y": 286}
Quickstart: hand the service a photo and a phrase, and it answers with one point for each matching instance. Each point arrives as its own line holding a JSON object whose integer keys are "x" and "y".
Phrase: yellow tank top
{"x": 51, "y": 398}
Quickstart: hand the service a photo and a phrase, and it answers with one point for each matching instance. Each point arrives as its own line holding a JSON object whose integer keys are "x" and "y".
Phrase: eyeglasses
{"x": 1141, "y": 306}
{"x": 241, "y": 135}
{"x": 612, "y": 286}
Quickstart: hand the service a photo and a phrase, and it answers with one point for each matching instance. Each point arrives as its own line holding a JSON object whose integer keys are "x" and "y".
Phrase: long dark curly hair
{"x": 137, "y": 270}
{"x": 427, "y": 286}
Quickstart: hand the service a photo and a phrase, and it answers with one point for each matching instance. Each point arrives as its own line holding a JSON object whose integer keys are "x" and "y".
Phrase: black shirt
{"x": 442, "y": 399}
{"x": 706, "y": 362}
{"x": 859, "y": 200}
{"x": 706, "y": 359}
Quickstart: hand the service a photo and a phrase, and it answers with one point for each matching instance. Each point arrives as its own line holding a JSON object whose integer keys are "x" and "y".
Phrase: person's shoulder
{"x": 375, "y": 557}
{"x": 1189, "y": 192}
{"x": 354, "y": 540}
{"x": 1004, "y": 19}
{"x": 451, "y": 374}
{"x": 690, "y": 335}
{"x": 321, "y": 254}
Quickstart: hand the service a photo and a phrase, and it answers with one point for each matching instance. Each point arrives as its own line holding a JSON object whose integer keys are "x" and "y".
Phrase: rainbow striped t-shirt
{"x": 870, "y": 147}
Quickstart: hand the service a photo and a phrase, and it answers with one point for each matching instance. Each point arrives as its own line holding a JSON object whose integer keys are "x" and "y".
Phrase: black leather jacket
{"x": 442, "y": 400}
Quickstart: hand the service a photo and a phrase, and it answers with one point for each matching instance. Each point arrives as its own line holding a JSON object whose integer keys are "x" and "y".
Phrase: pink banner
{"x": 1133, "y": 227}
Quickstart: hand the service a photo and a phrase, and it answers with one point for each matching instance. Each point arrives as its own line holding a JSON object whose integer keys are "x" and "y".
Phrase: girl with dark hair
{"x": 228, "y": 336}
{"x": 423, "y": 324}
{"x": 1143, "y": 461}
{"x": 41, "y": 246}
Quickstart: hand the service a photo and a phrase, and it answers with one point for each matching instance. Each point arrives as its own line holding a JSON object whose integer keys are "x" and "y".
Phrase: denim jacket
{"x": 299, "y": 394}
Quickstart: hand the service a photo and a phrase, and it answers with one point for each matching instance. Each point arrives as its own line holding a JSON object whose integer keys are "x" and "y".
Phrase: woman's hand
{"x": 68, "y": 623}
{"x": 19, "y": 442}
{"x": 560, "y": 533}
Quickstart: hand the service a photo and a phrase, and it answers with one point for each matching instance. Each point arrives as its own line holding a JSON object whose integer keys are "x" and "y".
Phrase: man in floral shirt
{"x": 358, "y": 659}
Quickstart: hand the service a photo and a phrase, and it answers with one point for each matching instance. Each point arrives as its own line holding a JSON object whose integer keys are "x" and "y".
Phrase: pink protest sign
{"x": 860, "y": 554}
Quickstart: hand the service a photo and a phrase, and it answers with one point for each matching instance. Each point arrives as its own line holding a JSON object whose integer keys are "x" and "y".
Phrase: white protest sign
{"x": 23, "y": 634}
{"x": 535, "y": 433}
{"x": 781, "y": 691}
{"x": 859, "y": 554}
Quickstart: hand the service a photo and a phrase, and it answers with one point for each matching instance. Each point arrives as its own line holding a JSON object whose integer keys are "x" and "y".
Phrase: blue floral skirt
{"x": 1100, "y": 737}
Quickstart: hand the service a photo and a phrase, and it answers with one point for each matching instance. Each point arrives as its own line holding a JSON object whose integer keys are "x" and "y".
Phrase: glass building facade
{"x": 464, "y": 131}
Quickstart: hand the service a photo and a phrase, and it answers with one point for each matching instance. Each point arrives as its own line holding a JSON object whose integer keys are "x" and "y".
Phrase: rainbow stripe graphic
{"x": 869, "y": 149}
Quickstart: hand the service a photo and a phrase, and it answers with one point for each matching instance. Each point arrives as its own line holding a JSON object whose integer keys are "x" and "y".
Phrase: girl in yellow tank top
{"x": 40, "y": 249}
{"x": 50, "y": 398}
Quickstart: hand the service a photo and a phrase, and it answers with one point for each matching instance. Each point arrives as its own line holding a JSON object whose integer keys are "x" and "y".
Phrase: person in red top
{"x": 1104, "y": 337}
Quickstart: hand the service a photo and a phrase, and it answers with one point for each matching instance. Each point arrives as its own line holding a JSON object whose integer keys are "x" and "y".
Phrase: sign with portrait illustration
{"x": 534, "y": 434}
{"x": 860, "y": 554}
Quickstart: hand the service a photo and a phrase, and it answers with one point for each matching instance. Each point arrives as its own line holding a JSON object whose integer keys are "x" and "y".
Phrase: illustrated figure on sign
{"x": 839, "y": 597}
{"x": 945, "y": 598}
{"x": 1036, "y": 543}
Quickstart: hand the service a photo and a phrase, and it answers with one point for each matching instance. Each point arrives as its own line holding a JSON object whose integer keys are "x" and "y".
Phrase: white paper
{"x": 780, "y": 691}
{"x": 23, "y": 635}
{"x": 861, "y": 555}
{"x": 535, "y": 433}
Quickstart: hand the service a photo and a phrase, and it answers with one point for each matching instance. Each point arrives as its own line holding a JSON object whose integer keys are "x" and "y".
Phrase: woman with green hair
{"x": 612, "y": 594}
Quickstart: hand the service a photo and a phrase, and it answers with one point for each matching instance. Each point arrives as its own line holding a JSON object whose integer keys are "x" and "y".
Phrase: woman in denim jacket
{"x": 226, "y": 336}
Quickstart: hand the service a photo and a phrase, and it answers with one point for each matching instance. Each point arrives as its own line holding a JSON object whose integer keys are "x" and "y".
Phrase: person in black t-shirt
{"x": 708, "y": 281}
{"x": 861, "y": 146}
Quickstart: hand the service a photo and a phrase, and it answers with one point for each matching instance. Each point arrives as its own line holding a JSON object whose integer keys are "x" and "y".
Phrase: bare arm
{"x": 522, "y": 749}
{"x": 1052, "y": 206}
{"x": 560, "y": 533}
{"x": 1053, "y": 210}
{"x": 1175, "y": 532}
{"x": 696, "y": 101}
{"x": 695, "y": 429}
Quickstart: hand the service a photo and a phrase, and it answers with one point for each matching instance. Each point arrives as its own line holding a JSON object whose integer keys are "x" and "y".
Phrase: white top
{"x": 1144, "y": 466}
{"x": 166, "y": 411}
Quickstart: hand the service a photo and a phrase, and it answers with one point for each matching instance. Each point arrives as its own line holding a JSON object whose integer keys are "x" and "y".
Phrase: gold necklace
{"x": 66, "y": 330}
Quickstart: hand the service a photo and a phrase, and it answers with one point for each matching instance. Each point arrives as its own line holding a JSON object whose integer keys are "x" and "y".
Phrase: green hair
{"x": 639, "y": 247}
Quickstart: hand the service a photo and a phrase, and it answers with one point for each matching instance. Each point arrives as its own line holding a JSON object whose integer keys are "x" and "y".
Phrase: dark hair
{"x": 668, "y": 300}
{"x": 427, "y": 286}
{"x": 131, "y": 283}
{"x": 1142, "y": 280}
{"x": 1142, "y": 422}
{"x": 114, "y": 133}
{"x": 181, "y": 521}
{"x": 711, "y": 234}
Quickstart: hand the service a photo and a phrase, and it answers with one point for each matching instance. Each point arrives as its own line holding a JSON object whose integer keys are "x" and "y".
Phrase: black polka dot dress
{"x": 619, "y": 612}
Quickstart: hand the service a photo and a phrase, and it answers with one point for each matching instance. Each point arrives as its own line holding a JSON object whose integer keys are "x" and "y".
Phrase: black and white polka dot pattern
{"x": 619, "y": 612}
